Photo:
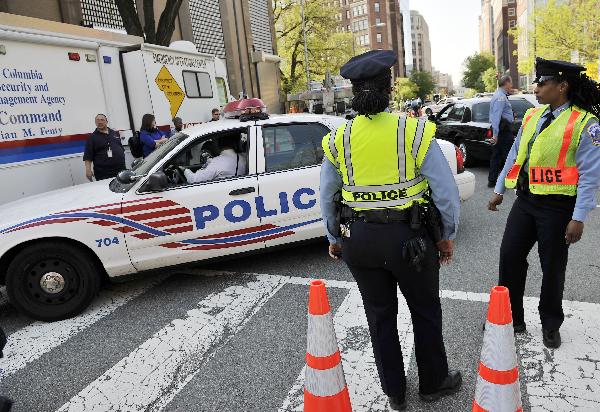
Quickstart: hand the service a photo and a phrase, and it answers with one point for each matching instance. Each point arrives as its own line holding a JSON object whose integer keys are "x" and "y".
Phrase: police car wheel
{"x": 52, "y": 281}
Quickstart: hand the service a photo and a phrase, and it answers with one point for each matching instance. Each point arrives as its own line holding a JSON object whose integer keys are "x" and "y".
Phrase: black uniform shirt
{"x": 96, "y": 150}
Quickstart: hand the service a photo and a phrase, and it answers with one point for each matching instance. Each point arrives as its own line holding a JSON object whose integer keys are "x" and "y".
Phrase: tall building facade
{"x": 421, "y": 45}
{"x": 496, "y": 19}
{"x": 239, "y": 32}
{"x": 406, "y": 29}
{"x": 375, "y": 25}
{"x": 486, "y": 25}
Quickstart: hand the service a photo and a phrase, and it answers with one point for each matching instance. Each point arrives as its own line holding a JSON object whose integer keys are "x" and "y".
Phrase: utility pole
{"x": 305, "y": 47}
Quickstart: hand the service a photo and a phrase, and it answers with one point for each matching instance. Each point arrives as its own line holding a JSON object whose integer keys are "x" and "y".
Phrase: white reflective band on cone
{"x": 498, "y": 398}
{"x": 321, "y": 335}
{"x": 328, "y": 382}
{"x": 495, "y": 341}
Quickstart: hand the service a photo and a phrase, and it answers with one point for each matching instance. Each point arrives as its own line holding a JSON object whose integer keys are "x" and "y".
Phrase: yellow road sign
{"x": 166, "y": 82}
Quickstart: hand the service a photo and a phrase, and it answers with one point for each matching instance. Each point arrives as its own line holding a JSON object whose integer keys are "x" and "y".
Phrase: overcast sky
{"x": 453, "y": 31}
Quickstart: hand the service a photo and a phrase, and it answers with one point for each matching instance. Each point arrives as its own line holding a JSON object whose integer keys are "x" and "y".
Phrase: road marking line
{"x": 357, "y": 353}
{"x": 38, "y": 338}
{"x": 152, "y": 375}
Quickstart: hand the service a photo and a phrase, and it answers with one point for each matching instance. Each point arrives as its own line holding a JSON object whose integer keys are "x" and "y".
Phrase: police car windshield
{"x": 144, "y": 167}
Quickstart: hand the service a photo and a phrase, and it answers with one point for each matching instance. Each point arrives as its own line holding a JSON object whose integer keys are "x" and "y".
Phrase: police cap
{"x": 369, "y": 65}
{"x": 549, "y": 69}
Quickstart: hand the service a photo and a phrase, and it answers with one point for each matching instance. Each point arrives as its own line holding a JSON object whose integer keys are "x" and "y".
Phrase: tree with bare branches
{"x": 151, "y": 33}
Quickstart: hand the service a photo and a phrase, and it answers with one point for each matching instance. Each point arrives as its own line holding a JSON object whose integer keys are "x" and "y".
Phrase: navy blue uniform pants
{"x": 373, "y": 254}
{"x": 499, "y": 154}
{"x": 535, "y": 219}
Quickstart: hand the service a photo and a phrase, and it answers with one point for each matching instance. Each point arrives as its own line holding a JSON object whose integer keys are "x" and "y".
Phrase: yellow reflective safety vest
{"x": 552, "y": 163}
{"x": 379, "y": 160}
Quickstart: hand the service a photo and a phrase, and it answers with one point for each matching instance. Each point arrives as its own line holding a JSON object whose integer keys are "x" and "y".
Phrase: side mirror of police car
{"x": 156, "y": 182}
{"x": 127, "y": 176}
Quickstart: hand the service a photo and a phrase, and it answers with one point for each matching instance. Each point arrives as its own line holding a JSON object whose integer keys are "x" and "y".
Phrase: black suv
{"x": 466, "y": 123}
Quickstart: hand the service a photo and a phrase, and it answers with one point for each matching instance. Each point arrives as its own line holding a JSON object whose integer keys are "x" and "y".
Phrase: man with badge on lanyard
{"x": 554, "y": 164}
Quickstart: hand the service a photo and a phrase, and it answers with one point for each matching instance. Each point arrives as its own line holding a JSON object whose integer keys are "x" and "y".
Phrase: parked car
{"x": 435, "y": 108}
{"x": 466, "y": 123}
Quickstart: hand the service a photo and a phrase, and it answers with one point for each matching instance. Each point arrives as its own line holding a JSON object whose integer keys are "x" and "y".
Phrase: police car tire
{"x": 74, "y": 263}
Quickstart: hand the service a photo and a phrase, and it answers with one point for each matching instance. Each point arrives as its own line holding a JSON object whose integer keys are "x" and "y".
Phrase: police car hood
{"x": 82, "y": 196}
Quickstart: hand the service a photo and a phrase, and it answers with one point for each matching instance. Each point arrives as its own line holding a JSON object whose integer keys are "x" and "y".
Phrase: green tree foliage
{"x": 475, "y": 66}
{"x": 424, "y": 82}
{"x": 328, "y": 49}
{"x": 559, "y": 28}
{"x": 470, "y": 93}
{"x": 490, "y": 79}
{"x": 151, "y": 33}
{"x": 404, "y": 89}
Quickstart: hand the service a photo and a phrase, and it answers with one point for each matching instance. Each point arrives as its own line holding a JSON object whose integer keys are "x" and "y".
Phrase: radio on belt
{"x": 246, "y": 110}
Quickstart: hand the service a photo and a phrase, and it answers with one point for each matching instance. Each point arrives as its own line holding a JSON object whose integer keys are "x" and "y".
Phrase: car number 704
{"x": 107, "y": 241}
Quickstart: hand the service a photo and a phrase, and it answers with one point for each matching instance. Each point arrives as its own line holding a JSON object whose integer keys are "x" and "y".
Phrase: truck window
{"x": 222, "y": 91}
{"x": 197, "y": 84}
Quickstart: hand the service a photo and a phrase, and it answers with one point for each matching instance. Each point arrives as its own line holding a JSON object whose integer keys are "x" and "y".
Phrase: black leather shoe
{"x": 551, "y": 338}
{"x": 449, "y": 386}
{"x": 396, "y": 403}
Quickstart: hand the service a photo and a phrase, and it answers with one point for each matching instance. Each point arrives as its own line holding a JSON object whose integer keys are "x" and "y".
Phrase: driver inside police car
{"x": 228, "y": 163}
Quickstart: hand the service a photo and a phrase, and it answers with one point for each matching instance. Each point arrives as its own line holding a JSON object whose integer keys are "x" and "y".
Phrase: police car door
{"x": 191, "y": 222}
{"x": 289, "y": 162}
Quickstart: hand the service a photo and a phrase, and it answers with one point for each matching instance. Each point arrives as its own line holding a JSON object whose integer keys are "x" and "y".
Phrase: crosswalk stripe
{"x": 357, "y": 355}
{"x": 34, "y": 340}
{"x": 157, "y": 370}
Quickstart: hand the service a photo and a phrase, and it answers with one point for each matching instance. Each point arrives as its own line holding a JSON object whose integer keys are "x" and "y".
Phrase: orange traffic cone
{"x": 498, "y": 386}
{"x": 325, "y": 387}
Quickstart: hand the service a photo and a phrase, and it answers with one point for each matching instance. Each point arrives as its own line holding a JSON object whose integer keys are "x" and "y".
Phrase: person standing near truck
{"x": 103, "y": 151}
{"x": 150, "y": 136}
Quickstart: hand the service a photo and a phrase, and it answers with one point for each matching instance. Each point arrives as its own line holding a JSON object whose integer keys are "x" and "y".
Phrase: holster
{"x": 433, "y": 222}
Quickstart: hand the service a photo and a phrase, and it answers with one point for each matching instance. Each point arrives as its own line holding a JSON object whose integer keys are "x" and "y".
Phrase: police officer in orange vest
{"x": 554, "y": 165}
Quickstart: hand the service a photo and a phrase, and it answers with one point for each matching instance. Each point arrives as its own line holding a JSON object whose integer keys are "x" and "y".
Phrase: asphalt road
{"x": 231, "y": 336}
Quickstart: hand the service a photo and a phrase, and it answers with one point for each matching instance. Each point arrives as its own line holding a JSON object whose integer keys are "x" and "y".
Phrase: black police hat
{"x": 549, "y": 69}
{"x": 369, "y": 65}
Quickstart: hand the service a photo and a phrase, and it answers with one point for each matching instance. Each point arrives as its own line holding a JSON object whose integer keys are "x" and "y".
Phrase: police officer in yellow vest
{"x": 385, "y": 169}
{"x": 554, "y": 165}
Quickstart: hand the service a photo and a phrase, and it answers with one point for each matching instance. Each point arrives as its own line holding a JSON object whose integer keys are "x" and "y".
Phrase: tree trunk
{"x": 166, "y": 24}
{"x": 131, "y": 20}
{"x": 150, "y": 25}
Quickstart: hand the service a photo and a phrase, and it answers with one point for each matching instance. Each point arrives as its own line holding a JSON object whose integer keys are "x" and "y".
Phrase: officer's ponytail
{"x": 585, "y": 93}
{"x": 372, "y": 96}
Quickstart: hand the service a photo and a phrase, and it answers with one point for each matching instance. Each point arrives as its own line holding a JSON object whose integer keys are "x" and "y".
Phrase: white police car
{"x": 56, "y": 247}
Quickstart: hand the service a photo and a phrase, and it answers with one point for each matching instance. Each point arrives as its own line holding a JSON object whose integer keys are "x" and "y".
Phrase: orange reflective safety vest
{"x": 552, "y": 164}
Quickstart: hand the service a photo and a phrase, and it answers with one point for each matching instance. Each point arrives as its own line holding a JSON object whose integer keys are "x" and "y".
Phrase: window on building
{"x": 511, "y": 12}
{"x": 511, "y": 1}
{"x": 376, "y": 5}
{"x": 348, "y": 14}
{"x": 197, "y": 84}
{"x": 512, "y": 23}
{"x": 379, "y": 38}
{"x": 292, "y": 146}
{"x": 377, "y": 21}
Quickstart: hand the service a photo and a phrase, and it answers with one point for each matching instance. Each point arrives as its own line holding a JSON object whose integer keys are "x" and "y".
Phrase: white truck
{"x": 55, "y": 80}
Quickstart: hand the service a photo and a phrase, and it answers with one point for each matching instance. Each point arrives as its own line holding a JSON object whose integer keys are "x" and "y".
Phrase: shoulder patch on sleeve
{"x": 594, "y": 132}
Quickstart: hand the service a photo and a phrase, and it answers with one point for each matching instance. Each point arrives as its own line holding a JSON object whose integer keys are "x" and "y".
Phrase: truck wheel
{"x": 52, "y": 281}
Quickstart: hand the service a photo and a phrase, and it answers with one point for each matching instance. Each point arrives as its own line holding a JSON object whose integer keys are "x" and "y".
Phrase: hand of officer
{"x": 446, "y": 248}
{"x": 335, "y": 251}
{"x": 89, "y": 175}
{"x": 494, "y": 202}
{"x": 574, "y": 232}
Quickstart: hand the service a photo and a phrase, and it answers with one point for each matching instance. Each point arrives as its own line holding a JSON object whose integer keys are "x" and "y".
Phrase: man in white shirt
{"x": 227, "y": 164}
